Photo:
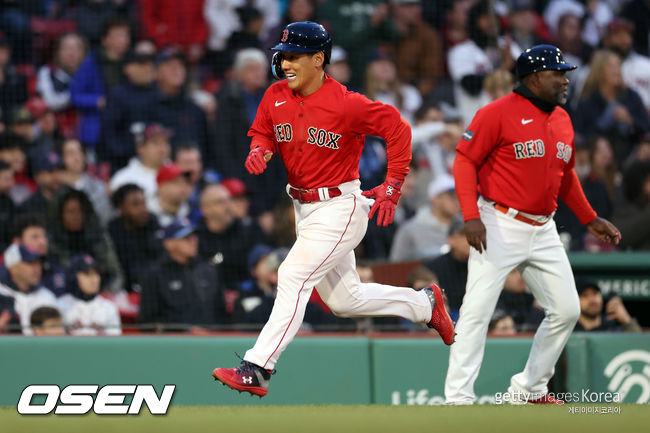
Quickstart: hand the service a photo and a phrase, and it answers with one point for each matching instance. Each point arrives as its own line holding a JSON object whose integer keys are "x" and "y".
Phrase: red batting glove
{"x": 386, "y": 197}
{"x": 256, "y": 160}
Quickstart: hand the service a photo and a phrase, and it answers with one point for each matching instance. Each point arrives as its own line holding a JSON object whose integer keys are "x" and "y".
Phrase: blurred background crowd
{"x": 124, "y": 202}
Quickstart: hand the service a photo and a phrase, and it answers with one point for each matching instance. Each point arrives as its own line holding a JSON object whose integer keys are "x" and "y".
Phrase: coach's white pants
{"x": 540, "y": 257}
{"x": 323, "y": 256}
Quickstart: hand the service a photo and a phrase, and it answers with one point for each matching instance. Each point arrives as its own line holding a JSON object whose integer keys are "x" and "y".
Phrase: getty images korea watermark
{"x": 105, "y": 400}
{"x": 585, "y": 396}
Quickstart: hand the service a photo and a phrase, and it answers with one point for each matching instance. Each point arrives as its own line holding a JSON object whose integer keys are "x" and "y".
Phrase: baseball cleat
{"x": 247, "y": 377}
{"x": 440, "y": 320}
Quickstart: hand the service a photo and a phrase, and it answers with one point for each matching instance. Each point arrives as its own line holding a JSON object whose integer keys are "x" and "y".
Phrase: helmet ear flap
{"x": 276, "y": 65}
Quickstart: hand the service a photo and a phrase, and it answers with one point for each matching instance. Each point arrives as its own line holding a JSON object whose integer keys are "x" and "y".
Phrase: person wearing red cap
{"x": 174, "y": 189}
{"x": 153, "y": 150}
{"x": 239, "y": 196}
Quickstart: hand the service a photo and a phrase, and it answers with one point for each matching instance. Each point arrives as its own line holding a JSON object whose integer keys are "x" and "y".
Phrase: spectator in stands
{"x": 173, "y": 107}
{"x": 175, "y": 22}
{"x": 21, "y": 123}
{"x": 615, "y": 316}
{"x": 635, "y": 67}
{"x": 498, "y": 83}
{"x": 180, "y": 288}
{"x": 45, "y": 129}
{"x": 53, "y": 80}
{"x": 47, "y": 174}
{"x": 517, "y": 302}
{"x": 633, "y": 215}
{"x": 523, "y": 24}
{"x": 100, "y": 71}
{"x": 223, "y": 239}
{"x": 126, "y": 105}
{"x": 20, "y": 277}
{"x": 424, "y": 235}
{"x": 450, "y": 269}
{"x": 187, "y": 157}
{"x": 84, "y": 311}
{"x": 361, "y": 33}
{"x": 7, "y": 207}
{"x": 11, "y": 152}
{"x": 569, "y": 40}
{"x": 91, "y": 16}
{"x": 470, "y": 61}
{"x": 637, "y": 12}
{"x": 596, "y": 169}
{"x": 610, "y": 108}
{"x": 264, "y": 270}
{"x": 248, "y": 36}
{"x": 297, "y": 10}
{"x": 242, "y": 95}
{"x": 153, "y": 150}
{"x": 239, "y": 199}
{"x": 338, "y": 67}
{"x": 383, "y": 84}
{"x": 76, "y": 230}
{"x": 13, "y": 86}
{"x": 74, "y": 175}
{"x": 30, "y": 230}
{"x": 136, "y": 234}
{"x": 418, "y": 53}
{"x": 174, "y": 189}
{"x": 47, "y": 322}
{"x": 502, "y": 324}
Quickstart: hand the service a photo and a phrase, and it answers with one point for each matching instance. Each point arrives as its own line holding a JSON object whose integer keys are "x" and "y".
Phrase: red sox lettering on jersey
{"x": 523, "y": 153}
{"x": 320, "y": 137}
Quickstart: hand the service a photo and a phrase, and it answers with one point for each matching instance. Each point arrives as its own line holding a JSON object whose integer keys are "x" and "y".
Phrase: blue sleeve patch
{"x": 467, "y": 135}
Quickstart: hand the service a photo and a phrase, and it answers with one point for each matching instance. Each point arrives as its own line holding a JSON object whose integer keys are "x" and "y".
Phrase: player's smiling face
{"x": 304, "y": 71}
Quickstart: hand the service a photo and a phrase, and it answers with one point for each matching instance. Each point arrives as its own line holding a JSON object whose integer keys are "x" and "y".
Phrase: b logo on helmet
{"x": 285, "y": 35}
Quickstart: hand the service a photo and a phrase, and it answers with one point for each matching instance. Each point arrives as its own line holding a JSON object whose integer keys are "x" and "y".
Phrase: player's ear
{"x": 318, "y": 59}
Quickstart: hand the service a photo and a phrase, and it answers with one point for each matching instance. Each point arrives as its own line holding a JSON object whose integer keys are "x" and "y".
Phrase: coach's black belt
{"x": 312, "y": 195}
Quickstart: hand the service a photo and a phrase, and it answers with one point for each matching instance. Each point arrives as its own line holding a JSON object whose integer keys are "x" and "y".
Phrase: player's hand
{"x": 386, "y": 197}
{"x": 475, "y": 234}
{"x": 257, "y": 159}
{"x": 615, "y": 310}
{"x": 604, "y": 230}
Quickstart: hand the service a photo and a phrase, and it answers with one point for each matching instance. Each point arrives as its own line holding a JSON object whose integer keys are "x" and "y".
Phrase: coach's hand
{"x": 475, "y": 234}
{"x": 386, "y": 197}
{"x": 604, "y": 230}
{"x": 257, "y": 159}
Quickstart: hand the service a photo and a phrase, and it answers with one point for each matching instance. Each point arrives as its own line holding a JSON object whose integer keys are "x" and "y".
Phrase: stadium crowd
{"x": 123, "y": 131}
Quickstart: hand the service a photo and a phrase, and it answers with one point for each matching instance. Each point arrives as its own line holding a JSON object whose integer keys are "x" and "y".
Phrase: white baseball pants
{"x": 540, "y": 257}
{"x": 323, "y": 256}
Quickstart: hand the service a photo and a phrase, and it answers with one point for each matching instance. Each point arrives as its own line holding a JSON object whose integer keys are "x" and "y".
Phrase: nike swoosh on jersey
{"x": 277, "y": 104}
{"x": 523, "y": 121}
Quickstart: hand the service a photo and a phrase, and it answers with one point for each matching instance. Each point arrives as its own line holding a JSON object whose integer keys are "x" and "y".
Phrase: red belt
{"x": 312, "y": 195}
{"x": 518, "y": 216}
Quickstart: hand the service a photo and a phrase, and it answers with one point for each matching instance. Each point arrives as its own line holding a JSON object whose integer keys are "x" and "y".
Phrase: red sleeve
{"x": 374, "y": 118}
{"x": 481, "y": 136}
{"x": 465, "y": 174}
{"x": 572, "y": 194}
{"x": 261, "y": 130}
{"x": 150, "y": 19}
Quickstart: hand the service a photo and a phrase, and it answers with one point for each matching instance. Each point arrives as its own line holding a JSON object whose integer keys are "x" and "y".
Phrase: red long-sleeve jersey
{"x": 320, "y": 137}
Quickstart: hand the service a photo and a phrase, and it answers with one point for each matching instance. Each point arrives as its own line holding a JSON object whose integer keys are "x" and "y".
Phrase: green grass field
{"x": 335, "y": 419}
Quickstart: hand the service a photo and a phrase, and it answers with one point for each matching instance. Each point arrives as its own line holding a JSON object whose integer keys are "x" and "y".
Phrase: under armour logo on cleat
{"x": 247, "y": 379}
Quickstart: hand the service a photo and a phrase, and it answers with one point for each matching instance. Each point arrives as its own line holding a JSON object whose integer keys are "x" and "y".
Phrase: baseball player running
{"x": 520, "y": 149}
{"x": 318, "y": 128}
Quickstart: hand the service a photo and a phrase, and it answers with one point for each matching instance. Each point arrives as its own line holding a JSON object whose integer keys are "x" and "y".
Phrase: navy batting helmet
{"x": 541, "y": 58}
{"x": 301, "y": 37}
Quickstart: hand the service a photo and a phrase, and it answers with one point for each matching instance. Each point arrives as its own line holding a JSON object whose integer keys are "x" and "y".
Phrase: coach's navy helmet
{"x": 301, "y": 37}
{"x": 542, "y": 58}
